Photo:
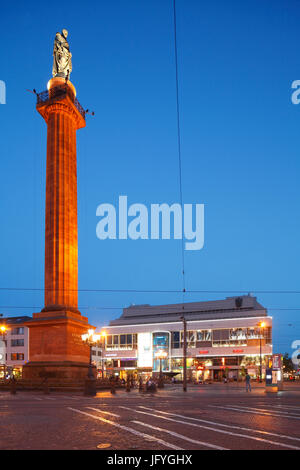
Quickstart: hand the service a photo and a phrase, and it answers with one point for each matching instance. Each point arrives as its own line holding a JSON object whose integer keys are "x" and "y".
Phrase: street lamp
{"x": 3, "y": 330}
{"x": 261, "y": 325}
{"x": 161, "y": 355}
{"x": 103, "y": 336}
{"x": 184, "y": 352}
{"x": 91, "y": 339}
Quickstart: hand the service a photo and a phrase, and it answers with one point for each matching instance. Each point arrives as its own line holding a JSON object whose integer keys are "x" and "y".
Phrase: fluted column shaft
{"x": 61, "y": 235}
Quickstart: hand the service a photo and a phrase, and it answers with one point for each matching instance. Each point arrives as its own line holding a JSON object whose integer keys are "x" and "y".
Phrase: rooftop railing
{"x": 59, "y": 92}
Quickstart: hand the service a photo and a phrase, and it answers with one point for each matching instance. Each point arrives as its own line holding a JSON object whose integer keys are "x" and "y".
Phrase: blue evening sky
{"x": 240, "y": 148}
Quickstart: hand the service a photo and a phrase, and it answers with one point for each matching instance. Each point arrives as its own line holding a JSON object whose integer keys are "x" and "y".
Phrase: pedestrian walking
{"x": 112, "y": 385}
{"x": 248, "y": 384}
{"x": 13, "y": 385}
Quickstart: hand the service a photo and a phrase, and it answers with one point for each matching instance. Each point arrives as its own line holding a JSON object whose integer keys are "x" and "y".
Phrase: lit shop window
{"x": 190, "y": 339}
{"x": 193, "y": 338}
{"x": 232, "y": 337}
{"x": 17, "y": 357}
{"x": 203, "y": 335}
{"x": 121, "y": 342}
{"x": 160, "y": 343}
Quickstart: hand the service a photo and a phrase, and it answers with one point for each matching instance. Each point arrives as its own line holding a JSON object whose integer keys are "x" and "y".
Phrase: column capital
{"x": 61, "y": 98}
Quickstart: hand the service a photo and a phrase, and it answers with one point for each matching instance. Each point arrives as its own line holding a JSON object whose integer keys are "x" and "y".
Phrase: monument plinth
{"x": 55, "y": 345}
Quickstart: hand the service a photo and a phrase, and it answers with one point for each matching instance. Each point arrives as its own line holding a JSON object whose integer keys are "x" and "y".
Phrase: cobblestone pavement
{"x": 207, "y": 417}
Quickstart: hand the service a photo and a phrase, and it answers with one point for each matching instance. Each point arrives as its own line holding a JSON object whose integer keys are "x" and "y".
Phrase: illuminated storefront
{"x": 225, "y": 338}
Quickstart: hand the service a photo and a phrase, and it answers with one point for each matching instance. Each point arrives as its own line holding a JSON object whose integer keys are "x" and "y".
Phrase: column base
{"x": 58, "y": 372}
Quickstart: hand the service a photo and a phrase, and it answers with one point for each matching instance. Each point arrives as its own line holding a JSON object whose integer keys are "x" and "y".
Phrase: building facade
{"x": 14, "y": 345}
{"x": 224, "y": 339}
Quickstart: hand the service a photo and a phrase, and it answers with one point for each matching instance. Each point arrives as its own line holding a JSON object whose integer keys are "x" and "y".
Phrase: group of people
{"x": 151, "y": 385}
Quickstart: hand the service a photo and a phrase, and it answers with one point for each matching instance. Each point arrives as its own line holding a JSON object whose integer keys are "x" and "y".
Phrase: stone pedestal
{"x": 56, "y": 349}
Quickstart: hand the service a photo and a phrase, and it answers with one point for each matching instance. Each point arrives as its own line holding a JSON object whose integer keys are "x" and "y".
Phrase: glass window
{"x": 17, "y": 342}
{"x": 160, "y": 342}
{"x": 221, "y": 337}
{"x": 190, "y": 338}
{"x": 122, "y": 339}
{"x": 175, "y": 339}
{"x": 129, "y": 339}
{"x": 116, "y": 339}
{"x": 203, "y": 335}
{"x": 160, "y": 339}
{"x": 17, "y": 331}
{"x": 17, "y": 357}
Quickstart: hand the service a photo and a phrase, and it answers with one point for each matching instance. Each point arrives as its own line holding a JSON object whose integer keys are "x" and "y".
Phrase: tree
{"x": 287, "y": 363}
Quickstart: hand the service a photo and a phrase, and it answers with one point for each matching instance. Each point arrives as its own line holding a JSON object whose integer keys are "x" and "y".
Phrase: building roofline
{"x": 188, "y": 321}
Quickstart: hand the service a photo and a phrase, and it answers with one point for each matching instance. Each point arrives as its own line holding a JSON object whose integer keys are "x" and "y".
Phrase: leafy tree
{"x": 288, "y": 363}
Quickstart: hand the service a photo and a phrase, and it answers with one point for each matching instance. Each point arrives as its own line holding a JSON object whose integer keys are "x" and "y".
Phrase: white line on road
{"x": 288, "y": 407}
{"x": 36, "y": 398}
{"x": 180, "y": 436}
{"x": 259, "y": 431}
{"x": 125, "y": 428}
{"x": 288, "y": 413}
{"x": 104, "y": 412}
{"x": 244, "y": 436}
{"x": 275, "y": 414}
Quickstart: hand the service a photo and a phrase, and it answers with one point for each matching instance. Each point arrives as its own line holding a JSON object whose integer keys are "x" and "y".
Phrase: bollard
{"x": 90, "y": 387}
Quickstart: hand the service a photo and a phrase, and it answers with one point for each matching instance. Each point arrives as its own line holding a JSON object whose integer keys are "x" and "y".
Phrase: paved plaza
{"x": 206, "y": 417}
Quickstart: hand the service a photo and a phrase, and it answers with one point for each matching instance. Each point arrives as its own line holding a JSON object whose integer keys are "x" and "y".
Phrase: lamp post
{"x": 3, "y": 330}
{"x": 161, "y": 355}
{"x": 91, "y": 339}
{"x": 184, "y": 353}
{"x": 261, "y": 325}
{"x": 103, "y": 336}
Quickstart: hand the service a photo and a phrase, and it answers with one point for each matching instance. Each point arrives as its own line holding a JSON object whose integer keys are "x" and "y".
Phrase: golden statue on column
{"x": 62, "y": 57}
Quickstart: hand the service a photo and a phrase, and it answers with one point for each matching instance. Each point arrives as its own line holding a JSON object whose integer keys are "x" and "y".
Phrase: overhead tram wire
{"x": 179, "y": 147}
{"x": 162, "y": 291}
{"x": 145, "y": 307}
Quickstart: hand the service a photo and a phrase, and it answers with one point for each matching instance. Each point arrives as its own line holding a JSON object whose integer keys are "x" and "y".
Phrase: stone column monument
{"x": 55, "y": 346}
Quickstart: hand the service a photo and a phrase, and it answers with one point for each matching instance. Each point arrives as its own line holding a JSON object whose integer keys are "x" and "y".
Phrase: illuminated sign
{"x": 144, "y": 350}
{"x": 237, "y": 350}
{"x": 276, "y": 359}
{"x": 203, "y": 352}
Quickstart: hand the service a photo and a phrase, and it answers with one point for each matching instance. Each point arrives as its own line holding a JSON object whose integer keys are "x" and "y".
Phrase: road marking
{"x": 180, "y": 436}
{"x": 48, "y": 398}
{"x": 276, "y": 414}
{"x": 225, "y": 425}
{"x": 244, "y": 436}
{"x": 265, "y": 409}
{"x": 287, "y": 407}
{"x": 125, "y": 428}
{"x": 104, "y": 412}
{"x": 36, "y": 398}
